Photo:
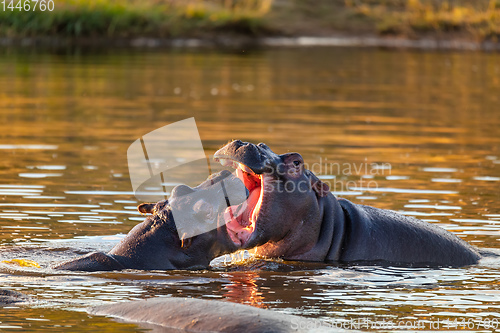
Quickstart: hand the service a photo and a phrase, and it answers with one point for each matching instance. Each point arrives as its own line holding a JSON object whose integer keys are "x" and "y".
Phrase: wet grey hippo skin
{"x": 8, "y": 297}
{"x": 175, "y": 314}
{"x": 155, "y": 244}
{"x": 293, "y": 215}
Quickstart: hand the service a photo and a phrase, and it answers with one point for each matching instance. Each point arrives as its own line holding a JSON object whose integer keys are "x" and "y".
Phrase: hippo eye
{"x": 296, "y": 162}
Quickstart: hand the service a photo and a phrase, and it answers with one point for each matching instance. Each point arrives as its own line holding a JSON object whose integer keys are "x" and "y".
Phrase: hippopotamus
{"x": 155, "y": 244}
{"x": 176, "y": 314}
{"x": 8, "y": 297}
{"x": 291, "y": 214}
{"x": 287, "y": 212}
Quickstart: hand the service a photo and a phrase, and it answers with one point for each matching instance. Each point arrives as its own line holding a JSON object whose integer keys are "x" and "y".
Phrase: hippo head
{"x": 202, "y": 208}
{"x": 158, "y": 244}
{"x": 283, "y": 197}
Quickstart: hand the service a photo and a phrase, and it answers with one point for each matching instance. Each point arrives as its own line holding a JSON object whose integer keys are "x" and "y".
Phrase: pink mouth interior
{"x": 240, "y": 219}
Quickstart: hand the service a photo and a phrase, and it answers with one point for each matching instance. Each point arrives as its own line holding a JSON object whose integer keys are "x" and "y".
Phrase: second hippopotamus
{"x": 158, "y": 244}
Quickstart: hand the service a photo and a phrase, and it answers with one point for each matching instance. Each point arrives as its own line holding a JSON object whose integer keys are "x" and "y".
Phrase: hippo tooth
{"x": 225, "y": 162}
{"x": 245, "y": 168}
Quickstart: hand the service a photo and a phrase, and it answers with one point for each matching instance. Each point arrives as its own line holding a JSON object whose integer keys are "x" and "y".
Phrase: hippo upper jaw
{"x": 256, "y": 158}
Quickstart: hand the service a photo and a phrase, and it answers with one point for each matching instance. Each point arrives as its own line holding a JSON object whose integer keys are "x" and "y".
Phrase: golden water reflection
{"x": 67, "y": 119}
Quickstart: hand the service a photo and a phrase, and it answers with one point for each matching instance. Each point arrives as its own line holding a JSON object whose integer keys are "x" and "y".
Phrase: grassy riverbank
{"x": 132, "y": 18}
{"x": 470, "y": 19}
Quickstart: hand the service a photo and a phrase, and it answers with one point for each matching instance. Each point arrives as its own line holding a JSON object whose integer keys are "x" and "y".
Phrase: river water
{"x": 415, "y": 132}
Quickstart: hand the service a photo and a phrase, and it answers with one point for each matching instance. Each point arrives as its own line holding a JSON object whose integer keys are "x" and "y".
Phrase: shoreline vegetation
{"x": 461, "y": 24}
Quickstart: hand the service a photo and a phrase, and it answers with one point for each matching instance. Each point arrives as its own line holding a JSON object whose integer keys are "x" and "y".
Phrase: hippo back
{"x": 384, "y": 236}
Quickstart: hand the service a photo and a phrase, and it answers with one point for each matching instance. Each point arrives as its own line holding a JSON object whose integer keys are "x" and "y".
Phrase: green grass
{"x": 476, "y": 19}
{"x": 84, "y": 18}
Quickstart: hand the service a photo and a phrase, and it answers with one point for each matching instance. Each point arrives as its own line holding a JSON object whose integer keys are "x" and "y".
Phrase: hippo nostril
{"x": 238, "y": 144}
{"x": 181, "y": 190}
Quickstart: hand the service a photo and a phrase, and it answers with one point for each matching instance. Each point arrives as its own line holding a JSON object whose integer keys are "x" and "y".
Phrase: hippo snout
{"x": 258, "y": 158}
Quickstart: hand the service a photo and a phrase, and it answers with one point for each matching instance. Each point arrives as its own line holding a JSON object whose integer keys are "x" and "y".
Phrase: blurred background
{"x": 476, "y": 20}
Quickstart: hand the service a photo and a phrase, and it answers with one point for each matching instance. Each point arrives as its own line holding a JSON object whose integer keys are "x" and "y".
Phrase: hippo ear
{"x": 321, "y": 189}
{"x": 146, "y": 208}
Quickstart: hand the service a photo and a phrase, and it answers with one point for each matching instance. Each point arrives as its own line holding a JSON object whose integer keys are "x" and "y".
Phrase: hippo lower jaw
{"x": 241, "y": 220}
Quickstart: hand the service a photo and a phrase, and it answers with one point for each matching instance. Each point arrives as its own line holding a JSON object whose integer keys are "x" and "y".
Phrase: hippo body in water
{"x": 291, "y": 214}
{"x": 175, "y": 314}
{"x": 8, "y": 297}
{"x": 155, "y": 243}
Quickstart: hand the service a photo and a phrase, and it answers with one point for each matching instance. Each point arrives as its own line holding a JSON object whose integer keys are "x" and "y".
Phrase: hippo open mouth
{"x": 251, "y": 165}
{"x": 241, "y": 219}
